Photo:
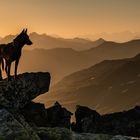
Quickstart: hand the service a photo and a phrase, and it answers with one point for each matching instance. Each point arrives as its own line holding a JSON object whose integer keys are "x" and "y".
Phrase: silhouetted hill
{"x": 48, "y": 42}
{"x": 109, "y": 86}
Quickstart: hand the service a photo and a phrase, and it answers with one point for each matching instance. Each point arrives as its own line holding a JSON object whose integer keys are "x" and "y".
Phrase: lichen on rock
{"x": 14, "y": 95}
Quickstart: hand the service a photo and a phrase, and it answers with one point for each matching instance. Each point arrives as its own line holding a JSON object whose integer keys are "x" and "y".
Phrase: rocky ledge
{"x": 14, "y": 95}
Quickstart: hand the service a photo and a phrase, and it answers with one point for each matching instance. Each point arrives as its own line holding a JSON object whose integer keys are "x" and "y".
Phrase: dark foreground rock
{"x": 55, "y": 116}
{"x": 57, "y": 133}
{"x": 120, "y": 123}
{"x": 64, "y": 134}
{"x": 14, "y": 127}
{"x": 14, "y": 95}
{"x": 82, "y": 113}
{"x": 58, "y": 116}
{"x": 35, "y": 114}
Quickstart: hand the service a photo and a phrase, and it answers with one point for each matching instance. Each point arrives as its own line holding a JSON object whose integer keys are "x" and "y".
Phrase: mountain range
{"x": 115, "y": 36}
{"x": 49, "y": 42}
{"x": 64, "y": 61}
{"x": 109, "y": 86}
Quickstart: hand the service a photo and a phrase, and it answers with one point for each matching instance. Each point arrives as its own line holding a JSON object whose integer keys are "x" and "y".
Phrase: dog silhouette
{"x": 12, "y": 52}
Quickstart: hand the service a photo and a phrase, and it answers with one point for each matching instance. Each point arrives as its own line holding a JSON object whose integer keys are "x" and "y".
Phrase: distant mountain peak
{"x": 101, "y": 39}
{"x": 37, "y": 34}
{"x": 34, "y": 33}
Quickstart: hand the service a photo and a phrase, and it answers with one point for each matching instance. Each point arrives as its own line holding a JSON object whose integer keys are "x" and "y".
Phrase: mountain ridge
{"x": 48, "y": 42}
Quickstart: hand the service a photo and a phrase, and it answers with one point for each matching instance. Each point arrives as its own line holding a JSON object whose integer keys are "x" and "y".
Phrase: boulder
{"x": 118, "y": 123}
{"x": 35, "y": 114}
{"x": 14, "y": 127}
{"x": 85, "y": 117}
{"x": 58, "y": 116}
{"x": 54, "y": 116}
{"x": 15, "y": 94}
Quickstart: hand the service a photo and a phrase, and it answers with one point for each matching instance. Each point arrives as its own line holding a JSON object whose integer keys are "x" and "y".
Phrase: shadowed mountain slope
{"x": 109, "y": 86}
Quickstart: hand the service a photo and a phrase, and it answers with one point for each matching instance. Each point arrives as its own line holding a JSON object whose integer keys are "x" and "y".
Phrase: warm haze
{"x": 69, "y": 18}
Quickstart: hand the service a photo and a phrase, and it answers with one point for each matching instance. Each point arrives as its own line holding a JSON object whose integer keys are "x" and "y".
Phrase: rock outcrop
{"x": 58, "y": 116}
{"x": 64, "y": 134}
{"x": 82, "y": 113}
{"x": 14, "y": 127}
{"x": 55, "y": 116}
{"x": 14, "y": 95}
{"x": 119, "y": 123}
{"x": 35, "y": 114}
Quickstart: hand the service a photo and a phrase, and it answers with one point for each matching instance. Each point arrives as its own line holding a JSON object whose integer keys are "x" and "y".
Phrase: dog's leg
{"x": 6, "y": 67}
{"x": 16, "y": 66}
{"x": 0, "y": 74}
{"x": 0, "y": 68}
{"x": 9, "y": 68}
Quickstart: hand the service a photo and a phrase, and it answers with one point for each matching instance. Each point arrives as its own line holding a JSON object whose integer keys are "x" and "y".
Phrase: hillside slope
{"x": 109, "y": 86}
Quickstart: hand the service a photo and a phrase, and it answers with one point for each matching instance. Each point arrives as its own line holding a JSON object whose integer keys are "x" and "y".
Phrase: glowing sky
{"x": 69, "y": 17}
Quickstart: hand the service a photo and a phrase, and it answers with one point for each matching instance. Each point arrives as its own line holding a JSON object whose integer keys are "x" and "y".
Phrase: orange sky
{"x": 69, "y": 18}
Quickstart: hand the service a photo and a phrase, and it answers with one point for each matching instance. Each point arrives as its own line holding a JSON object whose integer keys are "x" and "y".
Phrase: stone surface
{"x": 84, "y": 113}
{"x": 119, "y": 123}
{"x": 54, "y": 133}
{"x": 16, "y": 94}
{"x": 35, "y": 114}
{"x": 55, "y": 116}
{"x": 58, "y": 116}
{"x": 64, "y": 134}
{"x": 12, "y": 129}
{"x": 90, "y": 136}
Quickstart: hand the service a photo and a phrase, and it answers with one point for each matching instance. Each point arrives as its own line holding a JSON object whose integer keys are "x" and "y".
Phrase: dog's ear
{"x": 25, "y": 30}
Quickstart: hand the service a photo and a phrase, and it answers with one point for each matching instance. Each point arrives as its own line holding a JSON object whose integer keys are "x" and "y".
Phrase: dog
{"x": 12, "y": 52}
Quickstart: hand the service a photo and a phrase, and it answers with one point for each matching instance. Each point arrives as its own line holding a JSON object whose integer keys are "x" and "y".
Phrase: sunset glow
{"x": 69, "y": 18}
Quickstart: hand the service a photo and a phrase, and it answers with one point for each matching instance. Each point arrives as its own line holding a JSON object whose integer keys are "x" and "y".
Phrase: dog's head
{"x": 25, "y": 37}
